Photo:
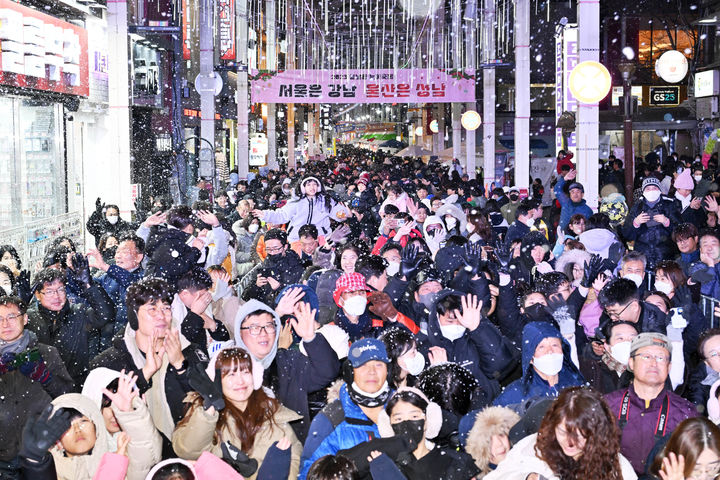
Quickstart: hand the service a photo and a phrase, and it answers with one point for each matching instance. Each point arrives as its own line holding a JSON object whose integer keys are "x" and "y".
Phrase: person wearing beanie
{"x": 691, "y": 208}
{"x": 650, "y": 223}
{"x": 573, "y": 202}
{"x": 647, "y": 410}
{"x": 156, "y": 352}
{"x": 313, "y": 205}
{"x": 353, "y": 417}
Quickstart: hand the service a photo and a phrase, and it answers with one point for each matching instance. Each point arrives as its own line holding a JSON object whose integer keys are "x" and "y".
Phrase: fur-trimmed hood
{"x": 488, "y": 422}
{"x": 571, "y": 256}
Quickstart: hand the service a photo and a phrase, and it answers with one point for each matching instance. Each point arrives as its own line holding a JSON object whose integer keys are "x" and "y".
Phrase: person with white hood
{"x": 291, "y": 375}
{"x": 123, "y": 411}
{"x": 313, "y": 206}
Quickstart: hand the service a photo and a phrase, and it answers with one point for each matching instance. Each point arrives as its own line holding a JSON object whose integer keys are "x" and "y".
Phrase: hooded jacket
{"x": 488, "y": 423}
{"x": 602, "y": 242}
{"x": 434, "y": 242}
{"x": 568, "y": 207}
{"x": 485, "y": 352}
{"x": 197, "y": 435}
{"x": 306, "y": 210}
{"x": 21, "y": 398}
{"x": 145, "y": 447}
{"x": 291, "y": 375}
{"x": 328, "y": 439}
{"x": 81, "y": 467}
{"x": 70, "y": 329}
{"x": 531, "y": 385}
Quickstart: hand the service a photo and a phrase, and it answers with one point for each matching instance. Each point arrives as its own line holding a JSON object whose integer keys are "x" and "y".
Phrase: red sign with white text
{"x": 226, "y": 28}
{"x": 41, "y": 52}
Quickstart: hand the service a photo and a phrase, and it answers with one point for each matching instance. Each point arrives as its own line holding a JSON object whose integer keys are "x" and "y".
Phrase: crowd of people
{"x": 374, "y": 317}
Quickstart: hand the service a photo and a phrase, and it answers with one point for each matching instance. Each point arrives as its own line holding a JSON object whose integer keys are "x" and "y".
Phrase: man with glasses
{"x": 620, "y": 299}
{"x": 72, "y": 328}
{"x": 290, "y": 374}
{"x": 31, "y": 375}
{"x": 648, "y": 409}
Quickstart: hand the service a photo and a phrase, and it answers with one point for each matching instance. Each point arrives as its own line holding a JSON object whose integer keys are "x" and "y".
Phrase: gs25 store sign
{"x": 664, "y": 96}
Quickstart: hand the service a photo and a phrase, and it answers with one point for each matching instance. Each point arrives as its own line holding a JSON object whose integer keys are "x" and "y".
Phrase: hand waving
{"x": 42, "y": 432}
{"x": 591, "y": 270}
{"x": 209, "y": 390}
{"x": 472, "y": 258}
{"x": 126, "y": 392}
{"x": 409, "y": 262}
{"x": 81, "y": 269}
{"x": 470, "y": 316}
{"x": 286, "y": 305}
{"x": 304, "y": 321}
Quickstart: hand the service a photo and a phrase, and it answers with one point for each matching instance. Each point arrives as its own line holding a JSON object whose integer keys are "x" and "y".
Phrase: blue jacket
{"x": 115, "y": 282}
{"x": 531, "y": 385}
{"x": 324, "y": 439}
{"x": 485, "y": 352}
{"x": 569, "y": 208}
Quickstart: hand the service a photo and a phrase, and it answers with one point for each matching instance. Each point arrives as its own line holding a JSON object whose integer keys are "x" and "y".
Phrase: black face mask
{"x": 514, "y": 197}
{"x": 536, "y": 312}
{"x": 109, "y": 253}
{"x": 412, "y": 430}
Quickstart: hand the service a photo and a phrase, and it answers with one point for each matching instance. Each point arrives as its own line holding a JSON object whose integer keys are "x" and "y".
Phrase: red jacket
{"x": 566, "y": 161}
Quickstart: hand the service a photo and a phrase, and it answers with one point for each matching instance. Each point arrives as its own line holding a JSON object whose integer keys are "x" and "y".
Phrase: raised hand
{"x": 286, "y": 305}
{"x": 673, "y": 467}
{"x": 153, "y": 357}
{"x": 172, "y": 346}
{"x": 304, "y": 321}
{"x": 201, "y": 302}
{"x": 99, "y": 205}
{"x": 591, "y": 270}
{"x": 97, "y": 260}
{"x": 711, "y": 204}
{"x": 437, "y": 355}
{"x": 338, "y": 235}
{"x": 404, "y": 230}
{"x": 155, "y": 219}
{"x": 123, "y": 441}
{"x": 126, "y": 392}
{"x": 410, "y": 261}
{"x": 209, "y": 390}
{"x": 470, "y": 316}
{"x": 238, "y": 459}
{"x": 502, "y": 253}
{"x": 472, "y": 258}
{"x": 80, "y": 269}
{"x": 208, "y": 217}
{"x": 381, "y": 305}
{"x": 42, "y": 432}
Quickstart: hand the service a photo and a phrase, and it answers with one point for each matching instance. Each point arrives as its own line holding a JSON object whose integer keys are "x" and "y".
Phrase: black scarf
{"x": 365, "y": 401}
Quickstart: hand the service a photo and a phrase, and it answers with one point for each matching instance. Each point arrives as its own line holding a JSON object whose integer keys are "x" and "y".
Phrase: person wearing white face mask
{"x": 406, "y": 362}
{"x": 607, "y": 372}
{"x": 690, "y": 205}
{"x": 351, "y": 296}
{"x": 458, "y": 324}
{"x": 547, "y": 368}
{"x": 106, "y": 219}
{"x": 650, "y": 223}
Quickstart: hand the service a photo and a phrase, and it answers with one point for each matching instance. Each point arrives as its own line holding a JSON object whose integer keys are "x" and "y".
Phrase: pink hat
{"x": 349, "y": 282}
{"x": 684, "y": 180}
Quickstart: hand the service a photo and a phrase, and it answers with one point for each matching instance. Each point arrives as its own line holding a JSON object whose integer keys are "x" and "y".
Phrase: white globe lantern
{"x": 590, "y": 81}
{"x": 418, "y": 132}
{"x": 672, "y": 66}
{"x": 471, "y": 120}
{"x": 434, "y": 126}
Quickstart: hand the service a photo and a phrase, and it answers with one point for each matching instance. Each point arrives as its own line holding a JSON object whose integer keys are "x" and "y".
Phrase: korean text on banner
{"x": 363, "y": 86}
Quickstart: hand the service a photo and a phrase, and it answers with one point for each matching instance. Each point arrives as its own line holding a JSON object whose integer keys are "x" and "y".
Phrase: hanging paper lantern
{"x": 672, "y": 66}
{"x": 471, "y": 120}
{"x": 434, "y": 126}
{"x": 418, "y": 132}
{"x": 590, "y": 81}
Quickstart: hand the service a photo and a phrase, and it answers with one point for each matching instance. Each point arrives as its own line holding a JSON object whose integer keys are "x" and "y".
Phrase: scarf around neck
{"x": 19, "y": 345}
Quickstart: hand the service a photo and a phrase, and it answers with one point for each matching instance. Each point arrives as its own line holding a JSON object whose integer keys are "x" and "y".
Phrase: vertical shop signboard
{"x": 566, "y": 58}
{"x": 226, "y": 28}
{"x": 42, "y": 52}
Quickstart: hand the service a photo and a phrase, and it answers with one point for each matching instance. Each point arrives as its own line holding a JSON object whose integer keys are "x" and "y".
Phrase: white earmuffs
{"x": 302, "y": 185}
{"x": 433, "y": 416}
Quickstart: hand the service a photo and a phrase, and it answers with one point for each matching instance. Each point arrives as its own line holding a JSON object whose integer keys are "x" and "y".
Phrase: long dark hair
{"x": 398, "y": 341}
{"x": 585, "y": 413}
{"x": 689, "y": 439}
{"x": 260, "y": 408}
{"x": 326, "y": 201}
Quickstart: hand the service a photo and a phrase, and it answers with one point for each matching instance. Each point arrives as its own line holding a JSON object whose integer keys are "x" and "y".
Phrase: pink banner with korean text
{"x": 363, "y": 86}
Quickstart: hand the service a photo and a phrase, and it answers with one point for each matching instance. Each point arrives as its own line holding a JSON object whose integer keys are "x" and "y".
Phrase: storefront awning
{"x": 650, "y": 119}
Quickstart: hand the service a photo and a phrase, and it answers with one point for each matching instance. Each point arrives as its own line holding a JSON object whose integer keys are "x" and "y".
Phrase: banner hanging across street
{"x": 363, "y": 86}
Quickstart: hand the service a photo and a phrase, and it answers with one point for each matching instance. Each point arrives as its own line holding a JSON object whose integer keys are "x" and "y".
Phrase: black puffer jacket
{"x": 98, "y": 226}
{"x": 286, "y": 268}
{"x": 71, "y": 329}
{"x": 21, "y": 398}
{"x": 652, "y": 238}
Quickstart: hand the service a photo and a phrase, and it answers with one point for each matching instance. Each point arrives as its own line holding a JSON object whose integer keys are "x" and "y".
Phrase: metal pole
{"x": 470, "y": 46}
{"x": 243, "y": 127}
{"x": 290, "y": 65}
{"x": 205, "y": 86}
{"x": 457, "y": 50}
{"x": 628, "y": 140}
{"x": 587, "y": 115}
{"x": 271, "y": 61}
{"x": 522, "y": 93}
{"x": 489, "y": 93}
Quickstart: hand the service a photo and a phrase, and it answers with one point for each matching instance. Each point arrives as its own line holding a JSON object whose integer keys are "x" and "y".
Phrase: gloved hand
{"x": 503, "y": 254}
{"x": 209, "y": 390}
{"x": 80, "y": 270}
{"x": 238, "y": 459}
{"x": 674, "y": 334}
{"x": 559, "y": 310}
{"x": 410, "y": 262}
{"x": 41, "y": 433}
{"x": 591, "y": 270}
{"x": 472, "y": 258}
{"x": 338, "y": 235}
{"x": 381, "y": 305}
{"x": 99, "y": 205}
{"x": 22, "y": 286}
{"x": 36, "y": 370}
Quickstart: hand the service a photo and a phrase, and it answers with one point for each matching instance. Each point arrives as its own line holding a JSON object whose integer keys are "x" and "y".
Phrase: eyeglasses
{"x": 707, "y": 472}
{"x": 647, "y": 358}
{"x": 273, "y": 249}
{"x": 81, "y": 424}
{"x": 616, "y": 315}
{"x": 10, "y": 318}
{"x": 52, "y": 293}
{"x": 153, "y": 310}
{"x": 256, "y": 329}
{"x": 713, "y": 354}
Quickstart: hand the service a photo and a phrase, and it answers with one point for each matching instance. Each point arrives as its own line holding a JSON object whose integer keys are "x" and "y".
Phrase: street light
{"x": 471, "y": 120}
{"x": 590, "y": 81}
{"x": 627, "y": 68}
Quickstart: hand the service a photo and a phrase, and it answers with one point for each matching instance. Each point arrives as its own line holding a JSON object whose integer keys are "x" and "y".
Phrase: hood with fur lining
{"x": 488, "y": 422}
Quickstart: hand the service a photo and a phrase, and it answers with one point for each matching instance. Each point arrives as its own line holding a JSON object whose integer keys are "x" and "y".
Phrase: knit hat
{"x": 684, "y": 180}
{"x": 365, "y": 350}
{"x": 650, "y": 181}
{"x": 349, "y": 282}
{"x": 576, "y": 185}
{"x": 650, "y": 339}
